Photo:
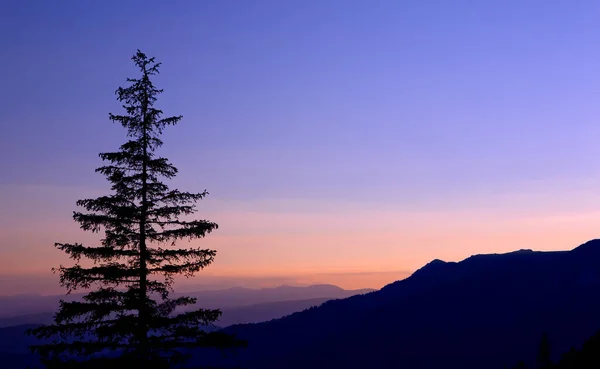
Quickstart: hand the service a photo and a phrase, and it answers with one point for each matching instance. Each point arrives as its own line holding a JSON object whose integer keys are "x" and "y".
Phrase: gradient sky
{"x": 334, "y": 136}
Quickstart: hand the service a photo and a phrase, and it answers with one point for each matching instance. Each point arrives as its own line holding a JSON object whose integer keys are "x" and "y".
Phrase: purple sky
{"x": 333, "y": 135}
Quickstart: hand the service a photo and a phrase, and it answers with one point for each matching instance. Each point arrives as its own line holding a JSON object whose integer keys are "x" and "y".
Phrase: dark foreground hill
{"x": 488, "y": 311}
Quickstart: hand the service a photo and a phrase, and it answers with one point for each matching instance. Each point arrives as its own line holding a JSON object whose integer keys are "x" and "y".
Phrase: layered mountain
{"x": 31, "y": 309}
{"x": 487, "y": 311}
{"x": 254, "y": 313}
{"x": 239, "y": 305}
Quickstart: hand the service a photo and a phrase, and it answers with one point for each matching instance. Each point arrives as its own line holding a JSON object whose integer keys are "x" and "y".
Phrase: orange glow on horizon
{"x": 317, "y": 243}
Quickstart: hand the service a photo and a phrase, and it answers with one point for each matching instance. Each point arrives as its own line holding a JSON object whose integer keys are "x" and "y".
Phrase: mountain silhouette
{"x": 487, "y": 311}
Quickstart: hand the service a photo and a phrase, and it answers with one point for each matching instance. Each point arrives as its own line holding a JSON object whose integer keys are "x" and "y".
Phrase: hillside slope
{"x": 485, "y": 311}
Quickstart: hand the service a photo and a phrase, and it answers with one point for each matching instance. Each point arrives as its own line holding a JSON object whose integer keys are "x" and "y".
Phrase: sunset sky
{"x": 341, "y": 141}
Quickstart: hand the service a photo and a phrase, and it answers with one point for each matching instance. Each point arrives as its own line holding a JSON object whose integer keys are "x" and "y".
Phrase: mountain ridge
{"x": 458, "y": 313}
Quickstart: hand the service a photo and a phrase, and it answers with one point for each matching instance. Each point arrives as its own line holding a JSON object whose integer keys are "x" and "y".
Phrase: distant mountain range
{"x": 36, "y": 309}
{"x": 487, "y": 311}
{"x": 239, "y": 305}
{"x": 231, "y": 315}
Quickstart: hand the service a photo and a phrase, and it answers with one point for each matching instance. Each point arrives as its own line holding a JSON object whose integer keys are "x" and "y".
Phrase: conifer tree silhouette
{"x": 127, "y": 312}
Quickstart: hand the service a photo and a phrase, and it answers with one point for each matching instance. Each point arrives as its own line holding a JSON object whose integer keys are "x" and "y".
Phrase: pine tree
{"x": 128, "y": 310}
